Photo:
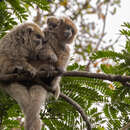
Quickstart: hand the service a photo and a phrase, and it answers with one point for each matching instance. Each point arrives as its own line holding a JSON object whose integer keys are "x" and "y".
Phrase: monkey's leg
{"x": 19, "y": 93}
{"x": 37, "y": 97}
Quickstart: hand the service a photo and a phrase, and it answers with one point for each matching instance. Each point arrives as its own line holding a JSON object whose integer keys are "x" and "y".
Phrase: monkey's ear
{"x": 51, "y": 19}
{"x": 29, "y": 29}
{"x": 61, "y": 21}
{"x": 48, "y": 20}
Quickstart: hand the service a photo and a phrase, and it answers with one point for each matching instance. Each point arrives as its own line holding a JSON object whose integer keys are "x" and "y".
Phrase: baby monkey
{"x": 59, "y": 33}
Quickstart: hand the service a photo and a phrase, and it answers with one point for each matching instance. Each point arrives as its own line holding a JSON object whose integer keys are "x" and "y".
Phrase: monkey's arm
{"x": 9, "y": 64}
{"x": 6, "y": 64}
{"x": 63, "y": 59}
{"x": 61, "y": 65}
{"x": 28, "y": 67}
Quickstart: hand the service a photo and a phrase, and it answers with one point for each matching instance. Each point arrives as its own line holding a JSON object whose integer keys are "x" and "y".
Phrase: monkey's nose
{"x": 67, "y": 34}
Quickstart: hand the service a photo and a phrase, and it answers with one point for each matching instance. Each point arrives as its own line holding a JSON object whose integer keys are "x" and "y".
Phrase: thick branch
{"x": 15, "y": 77}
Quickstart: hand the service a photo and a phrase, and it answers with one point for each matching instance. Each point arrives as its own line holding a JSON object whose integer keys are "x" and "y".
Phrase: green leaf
{"x": 107, "y": 54}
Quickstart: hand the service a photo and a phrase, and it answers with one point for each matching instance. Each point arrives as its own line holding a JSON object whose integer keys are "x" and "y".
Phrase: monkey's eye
{"x": 53, "y": 25}
{"x": 38, "y": 36}
{"x": 68, "y": 27}
{"x": 72, "y": 30}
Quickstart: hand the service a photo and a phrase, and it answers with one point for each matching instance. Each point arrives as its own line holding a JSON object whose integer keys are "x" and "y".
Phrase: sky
{"x": 122, "y": 15}
{"x": 114, "y": 22}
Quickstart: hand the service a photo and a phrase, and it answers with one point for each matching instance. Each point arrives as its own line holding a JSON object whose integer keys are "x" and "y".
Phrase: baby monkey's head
{"x": 63, "y": 28}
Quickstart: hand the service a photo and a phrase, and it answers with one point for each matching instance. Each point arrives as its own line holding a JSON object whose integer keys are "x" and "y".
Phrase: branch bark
{"x": 122, "y": 79}
{"x": 118, "y": 78}
{"x": 16, "y": 77}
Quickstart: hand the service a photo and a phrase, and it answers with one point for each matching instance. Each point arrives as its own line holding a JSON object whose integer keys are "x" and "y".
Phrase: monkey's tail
{"x": 37, "y": 97}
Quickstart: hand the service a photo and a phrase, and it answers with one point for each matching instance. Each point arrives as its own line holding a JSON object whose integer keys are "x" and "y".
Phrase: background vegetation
{"x": 107, "y": 104}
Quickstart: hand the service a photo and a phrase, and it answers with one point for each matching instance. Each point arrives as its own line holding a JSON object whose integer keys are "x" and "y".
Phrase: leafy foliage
{"x": 10, "y": 10}
{"x": 9, "y": 112}
{"x": 117, "y": 110}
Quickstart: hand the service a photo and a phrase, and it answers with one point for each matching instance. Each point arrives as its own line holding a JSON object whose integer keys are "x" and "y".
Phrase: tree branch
{"x": 16, "y": 77}
{"x": 78, "y": 108}
{"x": 101, "y": 37}
{"x": 118, "y": 78}
{"x": 122, "y": 79}
{"x": 103, "y": 29}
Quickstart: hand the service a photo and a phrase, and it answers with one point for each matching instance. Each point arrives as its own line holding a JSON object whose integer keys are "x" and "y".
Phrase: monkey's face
{"x": 52, "y": 23}
{"x": 64, "y": 29}
{"x": 67, "y": 32}
{"x": 36, "y": 37}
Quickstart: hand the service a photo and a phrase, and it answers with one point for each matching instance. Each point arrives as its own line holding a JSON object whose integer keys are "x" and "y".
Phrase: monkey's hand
{"x": 23, "y": 69}
{"x": 52, "y": 58}
{"x": 8, "y": 69}
{"x": 48, "y": 68}
{"x": 60, "y": 70}
{"x": 31, "y": 70}
{"x": 57, "y": 92}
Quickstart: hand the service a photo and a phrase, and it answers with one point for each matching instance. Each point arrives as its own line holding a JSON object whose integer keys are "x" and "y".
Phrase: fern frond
{"x": 126, "y": 24}
{"x": 117, "y": 69}
{"x": 107, "y": 54}
{"x": 125, "y": 32}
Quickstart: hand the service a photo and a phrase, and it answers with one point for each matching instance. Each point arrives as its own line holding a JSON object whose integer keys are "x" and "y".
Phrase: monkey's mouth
{"x": 67, "y": 34}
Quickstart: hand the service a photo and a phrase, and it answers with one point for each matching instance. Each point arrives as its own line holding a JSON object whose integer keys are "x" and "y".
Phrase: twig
{"x": 78, "y": 108}
{"x": 102, "y": 35}
{"x": 126, "y": 127}
{"x": 103, "y": 29}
